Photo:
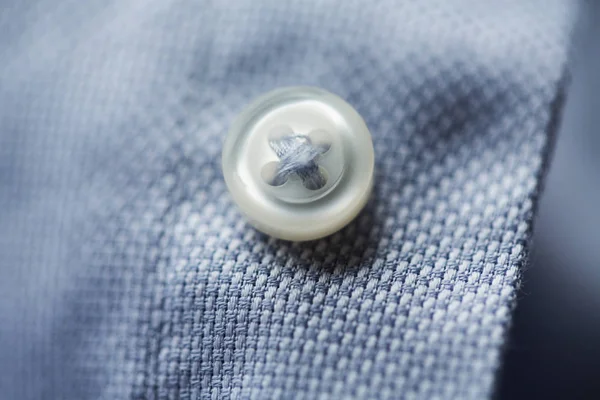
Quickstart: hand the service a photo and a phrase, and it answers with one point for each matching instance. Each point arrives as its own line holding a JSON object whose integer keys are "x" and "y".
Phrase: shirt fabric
{"x": 127, "y": 271}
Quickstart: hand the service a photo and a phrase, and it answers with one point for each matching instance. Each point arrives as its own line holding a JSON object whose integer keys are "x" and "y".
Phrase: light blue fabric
{"x": 126, "y": 270}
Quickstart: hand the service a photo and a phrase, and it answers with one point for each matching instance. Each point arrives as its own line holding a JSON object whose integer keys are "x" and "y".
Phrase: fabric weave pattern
{"x": 128, "y": 272}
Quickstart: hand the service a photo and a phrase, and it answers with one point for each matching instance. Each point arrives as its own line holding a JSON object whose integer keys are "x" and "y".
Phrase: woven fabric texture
{"x": 127, "y": 272}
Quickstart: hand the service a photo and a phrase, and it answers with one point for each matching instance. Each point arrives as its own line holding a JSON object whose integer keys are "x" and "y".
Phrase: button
{"x": 299, "y": 163}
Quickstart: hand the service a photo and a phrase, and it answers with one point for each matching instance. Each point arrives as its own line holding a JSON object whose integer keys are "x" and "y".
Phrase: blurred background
{"x": 554, "y": 347}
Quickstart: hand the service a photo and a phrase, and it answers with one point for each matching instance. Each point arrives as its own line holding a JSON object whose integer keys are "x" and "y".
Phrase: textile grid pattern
{"x": 127, "y": 272}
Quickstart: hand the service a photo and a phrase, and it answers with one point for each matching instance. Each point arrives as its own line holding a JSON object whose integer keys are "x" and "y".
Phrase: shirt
{"x": 127, "y": 272}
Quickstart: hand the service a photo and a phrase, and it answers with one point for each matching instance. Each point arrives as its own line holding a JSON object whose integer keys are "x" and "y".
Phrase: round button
{"x": 299, "y": 163}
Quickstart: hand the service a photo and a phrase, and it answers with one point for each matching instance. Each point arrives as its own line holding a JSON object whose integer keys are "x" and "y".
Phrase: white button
{"x": 299, "y": 163}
